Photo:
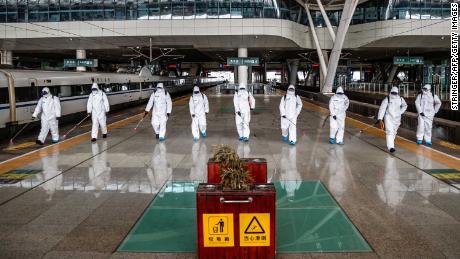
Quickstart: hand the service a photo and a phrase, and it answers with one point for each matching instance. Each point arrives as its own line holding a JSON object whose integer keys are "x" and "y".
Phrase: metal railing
{"x": 407, "y": 89}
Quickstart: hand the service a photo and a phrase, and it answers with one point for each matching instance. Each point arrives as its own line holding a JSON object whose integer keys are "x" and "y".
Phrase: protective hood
{"x": 289, "y": 88}
{"x": 339, "y": 90}
{"x": 394, "y": 89}
{"x": 242, "y": 87}
{"x": 160, "y": 86}
{"x": 94, "y": 86}
{"x": 427, "y": 86}
{"x": 45, "y": 91}
{"x": 196, "y": 89}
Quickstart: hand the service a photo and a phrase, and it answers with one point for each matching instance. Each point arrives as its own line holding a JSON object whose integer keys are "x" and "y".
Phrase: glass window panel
{"x": 109, "y": 9}
{"x": 425, "y": 9}
{"x": 12, "y": 11}
{"x": 445, "y": 8}
{"x": 213, "y": 8}
{"x": 271, "y": 9}
{"x": 415, "y": 9}
{"x": 75, "y": 14}
{"x": 358, "y": 16}
{"x": 54, "y": 15}
{"x": 224, "y": 8}
{"x": 236, "y": 9}
{"x": 22, "y": 11}
{"x": 436, "y": 9}
{"x": 189, "y": 10}
{"x": 284, "y": 10}
{"x": 87, "y": 10}
{"x": 165, "y": 10}
{"x": 98, "y": 13}
{"x": 154, "y": 10}
{"x": 143, "y": 9}
{"x": 177, "y": 9}
{"x": 32, "y": 10}
{"x": 2, "y": 10}
{"x": 371, "y": 14}
{"x": 64, "y": 6}
{"x": 131, "y": 9}
{"x": 402, "y": 9}
{"x": 120, "y": 9}
{"x": 43, "y": 11}
{"x": 200, "y": 10}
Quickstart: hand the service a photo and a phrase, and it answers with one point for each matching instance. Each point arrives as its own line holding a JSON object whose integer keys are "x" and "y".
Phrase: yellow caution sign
{"x": 254, "y": 229}
{"x": 218, "y": 230}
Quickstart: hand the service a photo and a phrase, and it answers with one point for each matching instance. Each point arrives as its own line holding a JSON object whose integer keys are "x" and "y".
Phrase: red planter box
{"x": 257, "y": 169}
{"x": 236, "y": 224}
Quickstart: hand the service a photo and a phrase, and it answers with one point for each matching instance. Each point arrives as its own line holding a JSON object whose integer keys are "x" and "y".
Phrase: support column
{"x": 249, "y": 75}
{"x": 315, "y": 39}
{"x": 81, "y": 54}
{"x": 235, "y": 75}
{"x": 347, "y": 15}
{"x": 326, "y": 19}
{"x": 293, "y": 68}
{"x": 392, "y": 74}
{"x": 322, "y": 74}
{"x": 264, "y": 75}
{"x": 242, "y": 70}
{"x": 6, "y": 57}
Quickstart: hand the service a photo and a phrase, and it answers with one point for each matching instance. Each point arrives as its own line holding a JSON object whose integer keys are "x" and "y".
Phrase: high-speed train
{"x": 23, "y": 88}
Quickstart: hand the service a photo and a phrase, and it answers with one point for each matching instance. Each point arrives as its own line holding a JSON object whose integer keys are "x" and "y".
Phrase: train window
{"x": 65, "y": 91}
{"x": 4, "y": 95}
{"x": 25, "y": 94}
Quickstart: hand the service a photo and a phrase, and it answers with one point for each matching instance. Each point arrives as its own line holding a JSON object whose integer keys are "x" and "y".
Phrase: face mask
{"x": 196, "y": 92}
{"x": 291, "y": 90}
{"x": 425, "y": 89}
{"x": 393, "y": 93}
{"x": 339, "y": 93}
{"x": 94, "y": 90}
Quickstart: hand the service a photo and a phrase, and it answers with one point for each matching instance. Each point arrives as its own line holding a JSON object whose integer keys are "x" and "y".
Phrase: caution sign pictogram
{"x": 254, "y": 229}
{"x": 218, "y": 230}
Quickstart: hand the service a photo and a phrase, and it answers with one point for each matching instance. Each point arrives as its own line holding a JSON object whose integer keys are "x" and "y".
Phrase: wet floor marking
{"x": 449, "y": 145}
{"x": 308, "y": 219}
{"x": 20, "y": 146}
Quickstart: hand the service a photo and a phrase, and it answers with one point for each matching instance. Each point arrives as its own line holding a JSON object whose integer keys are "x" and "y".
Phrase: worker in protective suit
{"x": 99, "y": 171}
{"x": 244, "y": 102}
{"x": 338, "y": 105}
{"x": 290, "y": 107}
{"x": 161, "y": 103}
{"x": 98, "y": 106}
{"x": 199, "y": 108}
{"x": 391, "y": 109}
{"x": 427, "y": 105}
{"x": 49, "y": 107}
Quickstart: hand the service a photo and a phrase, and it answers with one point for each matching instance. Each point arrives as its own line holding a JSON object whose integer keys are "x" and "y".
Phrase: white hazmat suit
{"x": 244, "y": 102}
{"x": 338, "y": 105}
{"x": 161, "y": 103}
{"x": 391, "y": 109}
{"x": 427, "y": 105}
{"x": 290, "y": 107}
{"x": 199, "y": 107}
{"x": 49, "y": 107}
{"x": 98, "y": 106}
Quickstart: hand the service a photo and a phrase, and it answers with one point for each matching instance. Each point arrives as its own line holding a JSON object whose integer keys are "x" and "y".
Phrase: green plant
{"x": 233, "y": 171}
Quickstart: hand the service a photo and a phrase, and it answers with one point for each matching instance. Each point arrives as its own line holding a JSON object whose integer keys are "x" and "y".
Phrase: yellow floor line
{"x": 20, "y": 146}
{"x": 32, "y": 156}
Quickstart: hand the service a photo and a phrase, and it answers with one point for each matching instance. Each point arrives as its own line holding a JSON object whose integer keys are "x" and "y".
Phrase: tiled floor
{"x": 87, "y": 197}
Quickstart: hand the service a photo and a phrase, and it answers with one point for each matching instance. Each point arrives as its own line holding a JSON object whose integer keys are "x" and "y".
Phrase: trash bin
{"x": 236, "y": 224}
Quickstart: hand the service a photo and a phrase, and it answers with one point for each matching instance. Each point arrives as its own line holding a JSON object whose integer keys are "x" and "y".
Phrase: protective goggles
{"x": 394, "y": 93}
{"x": 425, "y": 89}
{"x": 196, "y": 92}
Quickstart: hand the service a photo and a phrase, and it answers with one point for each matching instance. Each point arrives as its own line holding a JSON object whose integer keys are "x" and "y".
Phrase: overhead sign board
{"x": 408, "y": 60}
{"x": 243, "y": 61}
{"x": 80, "y": 62}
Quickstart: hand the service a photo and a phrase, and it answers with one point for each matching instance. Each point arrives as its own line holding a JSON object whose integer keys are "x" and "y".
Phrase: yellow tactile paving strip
{"x": 32, "y": 156}
{"x": 427, "y": 152}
